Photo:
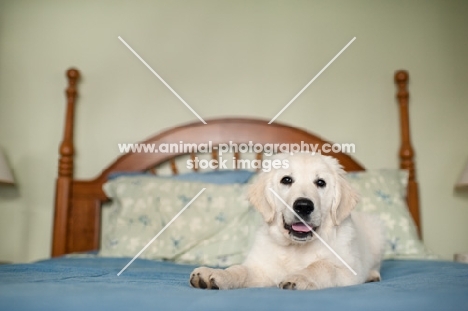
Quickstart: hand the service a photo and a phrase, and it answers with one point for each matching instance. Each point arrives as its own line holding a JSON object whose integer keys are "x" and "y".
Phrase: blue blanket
{"x": 92, "y": 284}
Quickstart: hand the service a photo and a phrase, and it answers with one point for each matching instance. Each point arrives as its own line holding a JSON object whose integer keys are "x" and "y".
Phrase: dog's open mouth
{"x": 300, "y": 231}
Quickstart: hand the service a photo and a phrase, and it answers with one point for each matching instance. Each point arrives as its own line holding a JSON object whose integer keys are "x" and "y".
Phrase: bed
{"x": 89, "y": 281}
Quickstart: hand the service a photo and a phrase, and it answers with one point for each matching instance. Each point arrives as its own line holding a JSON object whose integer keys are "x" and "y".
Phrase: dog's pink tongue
{"x": 300, "y": 227}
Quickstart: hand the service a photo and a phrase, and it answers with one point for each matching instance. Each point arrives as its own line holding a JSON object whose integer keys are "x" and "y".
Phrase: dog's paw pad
{"x": 202, "y": 284}
{"x": 213, "y": 284}
{"x": 374, "y": 276}
{"x": 287, "y": 285}
{"x": 204, "y": 278}
{"x": 197, "y": 280}
{"x": 192, "y": 280}
{"x": 297, "y": 282}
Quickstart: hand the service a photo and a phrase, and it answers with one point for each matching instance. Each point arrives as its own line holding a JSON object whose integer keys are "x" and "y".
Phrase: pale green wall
{"x": 229, "y": 58}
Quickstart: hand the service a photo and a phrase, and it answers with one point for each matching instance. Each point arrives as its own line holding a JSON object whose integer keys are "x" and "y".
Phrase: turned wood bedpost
{"x": 406, "y": 149}
{"x": 65, "y": 170}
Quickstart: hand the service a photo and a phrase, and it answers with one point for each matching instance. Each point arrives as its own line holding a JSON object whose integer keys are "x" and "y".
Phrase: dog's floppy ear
{"x": 257, "y": 195}
{"x": 345, "y": 200}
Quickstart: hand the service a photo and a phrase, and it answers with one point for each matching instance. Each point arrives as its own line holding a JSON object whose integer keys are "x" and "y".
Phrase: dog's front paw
{"x": 208, "y": 278}
{"x": 297, "y": 281}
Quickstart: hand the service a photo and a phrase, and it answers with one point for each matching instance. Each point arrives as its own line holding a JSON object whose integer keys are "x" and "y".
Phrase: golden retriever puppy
{"x": 286, "y": 252}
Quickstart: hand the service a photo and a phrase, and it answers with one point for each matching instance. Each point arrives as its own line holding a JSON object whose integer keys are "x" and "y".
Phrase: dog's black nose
{"x": 303, "y": 206}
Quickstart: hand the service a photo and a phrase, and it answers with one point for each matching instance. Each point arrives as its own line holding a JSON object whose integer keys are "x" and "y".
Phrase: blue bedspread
{"x": 92, "y": 284}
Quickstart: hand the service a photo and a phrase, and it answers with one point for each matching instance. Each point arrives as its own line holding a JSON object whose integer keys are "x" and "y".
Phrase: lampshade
{"x": 5, "y": 173}
{"x": 462, "y": 183}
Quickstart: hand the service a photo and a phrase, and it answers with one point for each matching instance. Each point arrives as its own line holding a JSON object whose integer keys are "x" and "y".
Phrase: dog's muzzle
{"x": 298, "y": 230}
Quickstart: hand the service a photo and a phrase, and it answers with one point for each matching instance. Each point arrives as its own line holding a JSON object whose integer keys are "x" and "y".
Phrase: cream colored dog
{"x": 286, "y": 253}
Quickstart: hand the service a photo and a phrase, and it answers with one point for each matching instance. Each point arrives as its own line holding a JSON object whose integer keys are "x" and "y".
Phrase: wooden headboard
{"x": 78, "y": 203}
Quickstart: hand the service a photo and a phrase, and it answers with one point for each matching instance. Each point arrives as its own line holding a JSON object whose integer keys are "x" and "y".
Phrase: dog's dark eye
{"x": 320, "y": 183}
{"x": 287, "y": 180}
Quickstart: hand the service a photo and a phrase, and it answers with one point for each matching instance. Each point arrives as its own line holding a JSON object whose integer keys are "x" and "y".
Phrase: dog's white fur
{"x": 278, "y": 258}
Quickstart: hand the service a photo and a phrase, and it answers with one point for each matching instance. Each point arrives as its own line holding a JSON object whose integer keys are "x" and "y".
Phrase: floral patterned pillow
{"x": 383, "y": 193}
{"x": 216, "y": 229}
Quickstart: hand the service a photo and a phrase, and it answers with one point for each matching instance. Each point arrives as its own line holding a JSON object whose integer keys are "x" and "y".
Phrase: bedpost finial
{"x": 401, "y": 76}
{"x": 73, "y": 74}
